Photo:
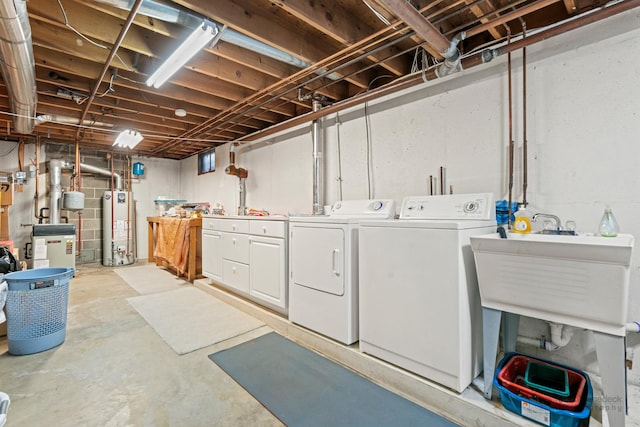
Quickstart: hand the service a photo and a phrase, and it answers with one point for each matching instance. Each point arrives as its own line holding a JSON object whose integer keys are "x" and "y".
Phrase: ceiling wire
{"x": 66, "y": 24}
{"x": 380, "y": 16}
{"x": 110, "y": 88}
{"x": 10, "y": 150}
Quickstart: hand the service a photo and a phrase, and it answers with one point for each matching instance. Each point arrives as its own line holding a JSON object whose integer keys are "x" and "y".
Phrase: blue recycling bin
{"x": 37, "y": 309}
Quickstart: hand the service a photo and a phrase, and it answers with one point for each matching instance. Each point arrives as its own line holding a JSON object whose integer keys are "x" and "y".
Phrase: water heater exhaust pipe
{"x": 242, "y": 175}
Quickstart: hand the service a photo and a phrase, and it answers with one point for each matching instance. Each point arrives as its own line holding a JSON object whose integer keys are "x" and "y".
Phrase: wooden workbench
{"x": 193, "y": 268}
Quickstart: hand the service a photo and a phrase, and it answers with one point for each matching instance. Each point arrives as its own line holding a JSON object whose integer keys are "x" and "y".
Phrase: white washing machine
{"x": 323, "y": 267}
{"x": 419, "y": 300}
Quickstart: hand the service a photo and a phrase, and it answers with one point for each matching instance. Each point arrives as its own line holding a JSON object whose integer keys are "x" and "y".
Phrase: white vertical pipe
{"x": 318, "y": 166}
{"x": 55, "y": 190}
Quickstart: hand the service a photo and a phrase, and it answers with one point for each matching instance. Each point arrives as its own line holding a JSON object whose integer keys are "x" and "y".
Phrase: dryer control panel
{"x": 380, "y": 208}
{"x": 477, "y": 206}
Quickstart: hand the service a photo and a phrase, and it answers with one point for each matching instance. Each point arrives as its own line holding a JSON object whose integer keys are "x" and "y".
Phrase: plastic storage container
{"x": 522, "y": 221}
{"x": 536, "y": 406}
{"x": 37, "y": 309}
{"x": 502, "y": 211}
{"x": 547, "y": 379}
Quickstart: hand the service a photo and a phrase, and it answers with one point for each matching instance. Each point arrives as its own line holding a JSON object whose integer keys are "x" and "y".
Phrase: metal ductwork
{"x": 46, "y": 118}
{"x": 17, "y": 63}
{"x": 157, "y": 10}
{"x": 100, "y": 171}
{"x": 55, "y": 190}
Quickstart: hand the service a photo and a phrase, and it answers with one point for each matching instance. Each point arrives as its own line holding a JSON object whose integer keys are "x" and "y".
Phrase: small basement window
{"x": 206, "y": 162}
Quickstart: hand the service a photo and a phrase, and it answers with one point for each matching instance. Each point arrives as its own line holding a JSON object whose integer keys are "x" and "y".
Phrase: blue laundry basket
{"x": 37, "y": 309}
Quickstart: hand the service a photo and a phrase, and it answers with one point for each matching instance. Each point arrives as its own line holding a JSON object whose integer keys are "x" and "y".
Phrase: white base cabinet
{"x": 249, "y": 257}
{"x": 212, "y": 246}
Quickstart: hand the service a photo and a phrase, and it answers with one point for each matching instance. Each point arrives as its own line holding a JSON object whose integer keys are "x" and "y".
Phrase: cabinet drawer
{"x": 234, "y": 225}
{"x": 235, "y": 247}
{"x": 210, "y": 224}
{"x": 235, "y": 275}
{"x": 268, "y": 228}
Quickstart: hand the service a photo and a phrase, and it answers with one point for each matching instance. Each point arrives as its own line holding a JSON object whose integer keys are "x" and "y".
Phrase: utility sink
{"x": 580, "y": 280}
{"x": 559, "y": 232}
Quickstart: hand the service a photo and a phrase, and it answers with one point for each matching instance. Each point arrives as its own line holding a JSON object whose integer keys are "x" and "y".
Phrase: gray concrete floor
{"x": 114, "y": 370}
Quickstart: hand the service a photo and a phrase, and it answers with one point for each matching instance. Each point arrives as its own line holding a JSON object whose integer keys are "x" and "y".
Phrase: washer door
{"x": 317, "y": 258}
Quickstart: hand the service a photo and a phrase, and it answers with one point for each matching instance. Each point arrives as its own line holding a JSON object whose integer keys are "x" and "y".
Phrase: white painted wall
{"x": 161, "y": 178}
{"x": 583, "y": 126}
{"x": 22, "y": 210}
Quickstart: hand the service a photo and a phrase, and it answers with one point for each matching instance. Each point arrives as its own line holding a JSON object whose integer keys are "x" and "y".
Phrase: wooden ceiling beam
{"x": 90, "y": 23}
{"x": 66, "y": 64}
{"x": 435, "y": 43}
{"x": 259, "y": 26}
{"x": 49, "y": 37}
{"x": 236, "y": 54}
{"x": 571, "y": 6}
{"x": 337, "y": 22}
{"x": 478, "y": 11}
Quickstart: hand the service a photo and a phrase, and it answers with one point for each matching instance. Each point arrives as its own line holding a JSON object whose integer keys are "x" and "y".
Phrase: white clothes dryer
{"x": 323, "y": 267}
{"x": 419, "y": 300}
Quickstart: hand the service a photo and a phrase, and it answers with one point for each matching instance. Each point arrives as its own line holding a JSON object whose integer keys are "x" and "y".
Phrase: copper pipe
{"x": 113, "y": 215}
{"x": 123, "y": 32}
{"x": 37, "y": 195}
{"x": 511, "y": 143}
{"x": 410, "y": 80}
{"x": 128, "y": 202}
{"x": 524, "y": 118}
{"x": 510, "y": 16}
{"x": 78, "y": 186}
{"x": 468, "y": 62}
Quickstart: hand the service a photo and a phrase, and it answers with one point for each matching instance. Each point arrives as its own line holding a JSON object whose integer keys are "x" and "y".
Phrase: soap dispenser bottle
{"x": 608, "y": 224}
{"x": 522, "y": 221}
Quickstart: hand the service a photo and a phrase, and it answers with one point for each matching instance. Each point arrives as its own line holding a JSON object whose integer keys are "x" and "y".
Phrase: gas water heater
{"x": 118, "y": 236}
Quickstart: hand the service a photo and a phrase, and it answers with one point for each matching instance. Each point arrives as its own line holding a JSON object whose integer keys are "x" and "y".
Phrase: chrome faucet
{"x": 553, "y": 217}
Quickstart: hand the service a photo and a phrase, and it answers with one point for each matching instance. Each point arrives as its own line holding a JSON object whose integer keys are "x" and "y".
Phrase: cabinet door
{"x": 212, "y": 255}
{"x": 268, "y": 270}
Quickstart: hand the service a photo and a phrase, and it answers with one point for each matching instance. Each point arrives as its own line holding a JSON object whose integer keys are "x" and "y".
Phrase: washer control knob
{"x": 470, "y": 207}
{"x": 376, "y": 206}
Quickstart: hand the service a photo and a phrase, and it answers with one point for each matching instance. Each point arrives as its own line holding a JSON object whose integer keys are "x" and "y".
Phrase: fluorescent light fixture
{"x": 128, "y": 138}
{"x": 197, "y": 40}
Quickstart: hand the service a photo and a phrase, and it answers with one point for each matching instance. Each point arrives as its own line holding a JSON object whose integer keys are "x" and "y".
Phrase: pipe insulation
{"x": 318, "y": 165}
{"x": 17, "y": 63}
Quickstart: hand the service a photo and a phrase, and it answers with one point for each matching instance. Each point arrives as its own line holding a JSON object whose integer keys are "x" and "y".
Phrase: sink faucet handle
{"x": 558, "y": 225}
